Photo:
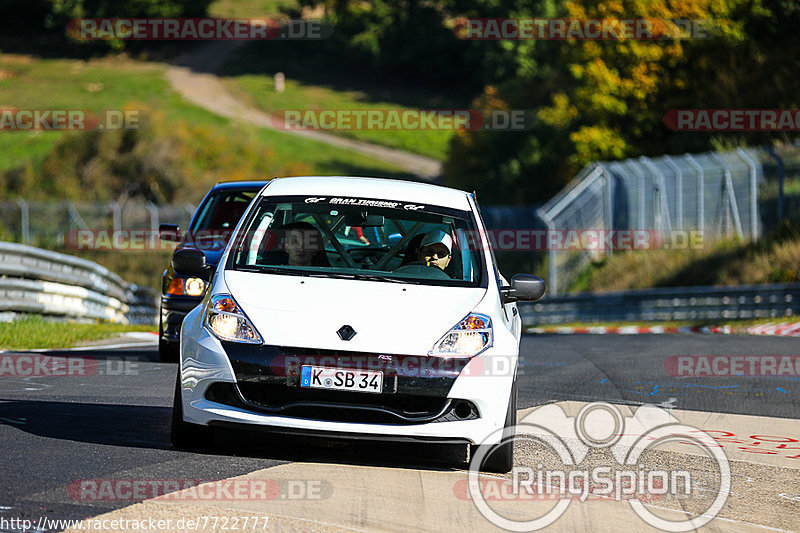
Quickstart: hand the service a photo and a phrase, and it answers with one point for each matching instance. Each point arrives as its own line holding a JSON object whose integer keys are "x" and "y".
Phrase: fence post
{"x": 153, "y": 210}
{"x": 552, "y": 267}
{"x": 190, "y": 209}
{"x": 731, "y": 194}
{"x": 636, "y": 170}
{"x": 781, "y": 174}
{"x": 74, "y": 217}
{"x": 701, "y": 214}
{"x": 116, "y": 215}
{"x": 754, "y": 234}
{"x": 661, "y": 189}
{"x": 609, "y": 211}
{"x": 24, "y": 215}
{"x": 678, "y": 190}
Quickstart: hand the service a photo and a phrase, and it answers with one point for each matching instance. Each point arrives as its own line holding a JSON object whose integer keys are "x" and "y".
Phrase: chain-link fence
{"x": 48, "y": 224}
{"x": 713, "y": 195}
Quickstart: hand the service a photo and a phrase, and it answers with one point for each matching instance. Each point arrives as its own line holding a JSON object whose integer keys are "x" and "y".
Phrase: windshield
{"x": 360, "y": 239}
{"x": 223, "y": 209}
{"x": 217, "y": 217}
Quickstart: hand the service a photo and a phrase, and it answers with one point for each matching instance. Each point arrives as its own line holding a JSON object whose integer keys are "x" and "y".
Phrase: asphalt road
{"x": 113, "y": 422}
{"x": 630, "y": 369}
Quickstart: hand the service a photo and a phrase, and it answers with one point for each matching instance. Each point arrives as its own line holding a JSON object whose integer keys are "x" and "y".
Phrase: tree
{"x": 605, "y": 100}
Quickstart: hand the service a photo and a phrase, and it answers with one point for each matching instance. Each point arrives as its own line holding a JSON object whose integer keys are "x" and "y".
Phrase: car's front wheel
{"x": 184, "y": 434}
{"x": 167, "y": 351}
{"x": 500, "y": 458}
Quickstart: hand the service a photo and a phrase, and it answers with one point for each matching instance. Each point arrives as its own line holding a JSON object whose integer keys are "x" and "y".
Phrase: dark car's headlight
{"x": 225, "y": 319}
{"x": 186, "y": 286}
{"x": 194, "y": 286}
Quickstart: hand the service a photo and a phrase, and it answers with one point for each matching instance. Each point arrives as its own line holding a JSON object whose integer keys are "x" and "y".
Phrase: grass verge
{"x": 773, "y": 259}
{"x": 216, "y": 147}
{"x": 317, "y": 80}
{"x": 249, "y": 8}
{"x": 33, "y": 332}
{"x": 258, "y": 90}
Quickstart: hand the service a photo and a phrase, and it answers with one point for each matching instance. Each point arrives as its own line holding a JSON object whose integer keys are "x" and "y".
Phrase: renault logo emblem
{"x": 346, "y": 332}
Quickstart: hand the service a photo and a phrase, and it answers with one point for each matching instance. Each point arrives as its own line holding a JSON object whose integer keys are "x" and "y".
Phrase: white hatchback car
{"x": 355, "y": 308}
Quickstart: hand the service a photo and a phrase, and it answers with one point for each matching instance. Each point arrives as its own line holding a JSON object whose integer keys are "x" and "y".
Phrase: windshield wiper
{"x": 272, "y": 270}
{"x": 380, "y": 277}
{"x": 319, "y": 274}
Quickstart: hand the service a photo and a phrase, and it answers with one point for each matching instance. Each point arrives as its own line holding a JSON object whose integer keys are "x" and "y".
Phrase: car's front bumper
{"x": 173, "y": 311}
{"x": 238, "y": 384}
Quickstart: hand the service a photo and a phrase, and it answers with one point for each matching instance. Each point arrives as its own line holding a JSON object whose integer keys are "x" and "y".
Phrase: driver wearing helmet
{"x": 435, "y": 249}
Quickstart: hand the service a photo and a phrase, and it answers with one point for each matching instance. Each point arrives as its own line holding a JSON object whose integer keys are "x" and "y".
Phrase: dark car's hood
{"x": 213, "y": 254}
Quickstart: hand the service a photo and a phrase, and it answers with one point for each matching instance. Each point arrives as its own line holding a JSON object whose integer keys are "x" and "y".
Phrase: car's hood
{"x": 389, "y": 318}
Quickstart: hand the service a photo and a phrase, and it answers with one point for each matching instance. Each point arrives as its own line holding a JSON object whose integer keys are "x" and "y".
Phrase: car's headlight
{"x": 189, "y": 287}
{"x": 471, "y": 336}
{"x": 228, "y": 322}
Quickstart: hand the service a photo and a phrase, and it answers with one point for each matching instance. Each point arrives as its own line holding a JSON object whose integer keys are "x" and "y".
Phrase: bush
{"x": 161, "y": 162}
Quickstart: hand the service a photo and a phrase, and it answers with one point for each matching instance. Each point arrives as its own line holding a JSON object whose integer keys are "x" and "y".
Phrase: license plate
{"x": 323, "y": 377}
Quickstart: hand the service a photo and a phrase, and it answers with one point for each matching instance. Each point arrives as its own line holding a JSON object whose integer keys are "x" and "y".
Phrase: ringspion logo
{"x": 627, "y": 439}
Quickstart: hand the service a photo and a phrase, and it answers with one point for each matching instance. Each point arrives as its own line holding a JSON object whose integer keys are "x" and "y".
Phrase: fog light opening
{"x": 463, "y": 410}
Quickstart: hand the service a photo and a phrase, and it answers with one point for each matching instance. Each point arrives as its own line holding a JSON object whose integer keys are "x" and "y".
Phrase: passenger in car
{"x": 303, "y": 245}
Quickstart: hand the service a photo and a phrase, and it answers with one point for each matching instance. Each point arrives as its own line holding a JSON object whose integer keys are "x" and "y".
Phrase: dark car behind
{"x": 209, "y": 230}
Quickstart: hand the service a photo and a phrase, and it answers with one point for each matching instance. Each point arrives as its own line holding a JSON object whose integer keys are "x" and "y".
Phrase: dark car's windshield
{"x": 361, "y": 239}
{"x": 222, "y": 209}
{"x": 217, "y": 217}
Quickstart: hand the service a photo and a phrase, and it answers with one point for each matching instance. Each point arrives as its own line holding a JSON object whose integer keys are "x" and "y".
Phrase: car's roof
{"x": 240, "y": 185}
{"x": 373, "y": 188}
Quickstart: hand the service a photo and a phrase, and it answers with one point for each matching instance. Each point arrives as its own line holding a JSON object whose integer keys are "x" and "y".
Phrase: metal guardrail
{"x": 671, "y": 303}
{"x": 50, "y": 283}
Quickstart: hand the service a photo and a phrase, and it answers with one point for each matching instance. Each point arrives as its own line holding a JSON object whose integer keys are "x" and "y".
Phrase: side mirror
{"x": 524, "y": 287}
{"x": 191, "y": 263}
{"x": 169, "y": 232}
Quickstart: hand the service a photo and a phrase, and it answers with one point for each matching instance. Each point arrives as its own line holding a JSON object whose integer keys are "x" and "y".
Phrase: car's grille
{"x": 338, "y": 406}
